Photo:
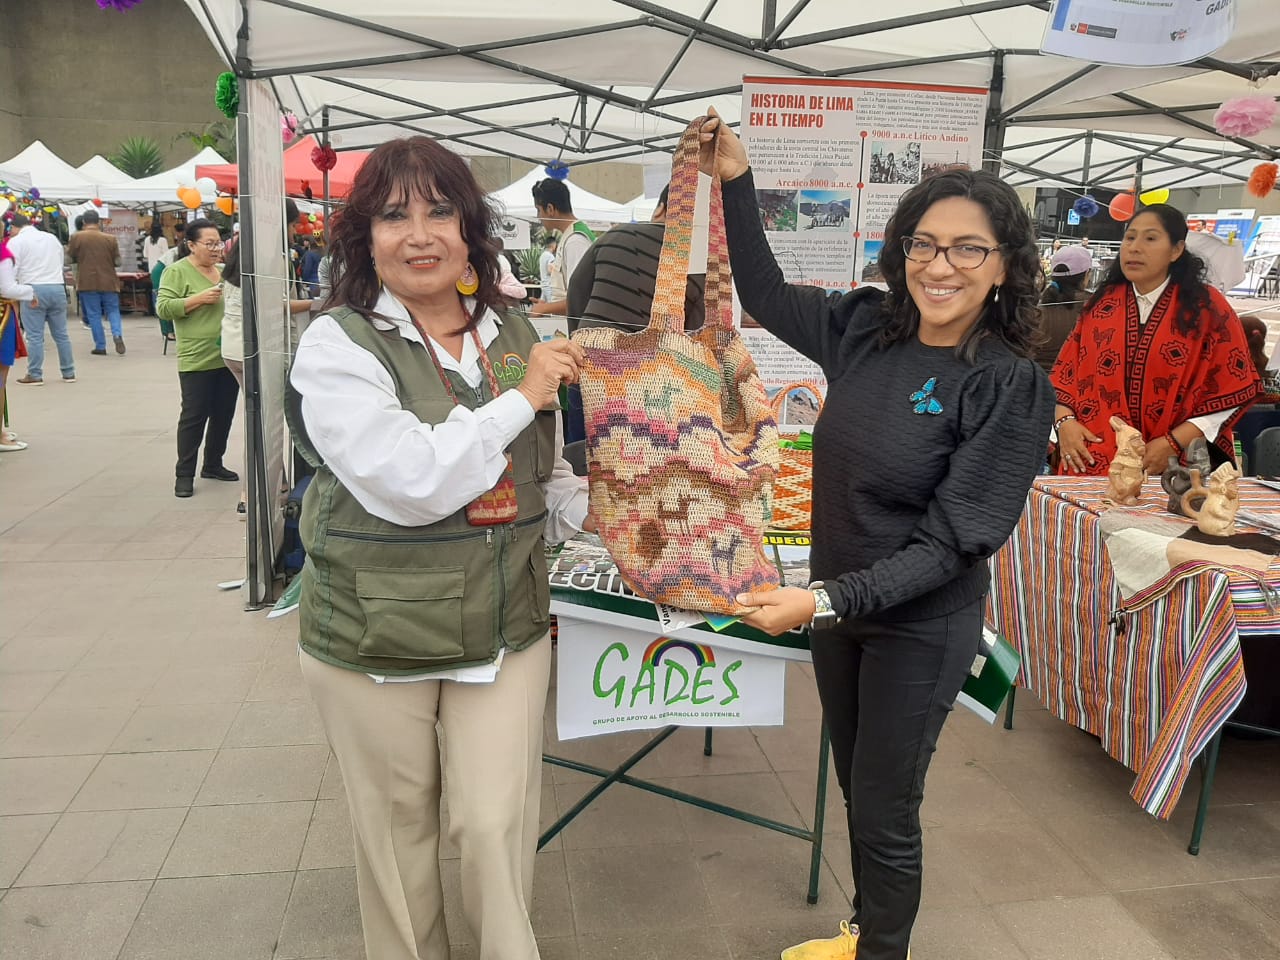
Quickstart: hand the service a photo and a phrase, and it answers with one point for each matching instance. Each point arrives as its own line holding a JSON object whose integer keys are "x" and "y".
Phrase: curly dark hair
{"x": 418, "y": 167}
{"x": 1186, "y": 273}
{"x": 1015, "y": 318}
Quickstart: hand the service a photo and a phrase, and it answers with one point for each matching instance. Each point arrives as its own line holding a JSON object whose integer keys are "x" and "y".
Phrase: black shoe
{"x": 219, "y": 473}
{"x": 184, "y": 486}
{"x": 99, "y": 353}
{"x": 119, "y": 344}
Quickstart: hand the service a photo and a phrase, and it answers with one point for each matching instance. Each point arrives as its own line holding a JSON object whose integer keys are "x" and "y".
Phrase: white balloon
{"x": 208, "y": 187}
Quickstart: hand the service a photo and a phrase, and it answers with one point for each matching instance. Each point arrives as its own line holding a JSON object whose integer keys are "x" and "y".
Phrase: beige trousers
{"x": 385, "y": 738}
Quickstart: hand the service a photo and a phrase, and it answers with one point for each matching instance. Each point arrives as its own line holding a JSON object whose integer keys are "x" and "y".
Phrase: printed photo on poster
{"x": 894, "y": 162}
{"x": 824, "y": 210}
{"x": 777, "y": 210}
{"x": 796, "y": 405}
{"x": 871, "y": 262}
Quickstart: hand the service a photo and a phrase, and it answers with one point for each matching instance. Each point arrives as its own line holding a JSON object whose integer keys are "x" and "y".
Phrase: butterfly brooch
{"x": 924, "y": 401}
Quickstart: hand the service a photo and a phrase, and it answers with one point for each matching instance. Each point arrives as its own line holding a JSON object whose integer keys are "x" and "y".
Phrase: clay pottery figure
{"x": 1176, "y": 480}
{"x": 1197, "y": 456}
{"x": 1217, "y": 515}
{"x": 1126, "y": 474}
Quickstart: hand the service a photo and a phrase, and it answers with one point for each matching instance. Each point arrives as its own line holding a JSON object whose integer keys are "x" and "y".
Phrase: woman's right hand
{"x": 551, "y": 363}
{"x": 719, "y": 149}
{"x": 1073, "y": 446}
{"x": 203, "y": 298}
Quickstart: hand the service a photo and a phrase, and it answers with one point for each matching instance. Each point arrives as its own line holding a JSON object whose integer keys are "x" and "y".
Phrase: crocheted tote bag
{"x": 682, "y": 446}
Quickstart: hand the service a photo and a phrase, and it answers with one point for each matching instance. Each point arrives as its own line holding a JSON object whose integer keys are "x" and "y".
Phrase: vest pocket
{"x": 544, "y": 444}
{"x": 539, "y": 585}
{"x": 411, "y": 614}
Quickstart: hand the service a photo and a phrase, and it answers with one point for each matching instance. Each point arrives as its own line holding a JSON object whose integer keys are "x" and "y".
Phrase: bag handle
{"x": 673, "y": 265}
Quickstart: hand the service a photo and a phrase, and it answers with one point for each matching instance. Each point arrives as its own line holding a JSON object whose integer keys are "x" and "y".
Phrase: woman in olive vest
{"x": 429, "y": 412}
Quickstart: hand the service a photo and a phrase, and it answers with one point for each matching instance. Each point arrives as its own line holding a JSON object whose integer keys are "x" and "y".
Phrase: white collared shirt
{"x": 39, "y": 256}
{"x": 409, "y": 472}
{"x": 1210, "y": 424}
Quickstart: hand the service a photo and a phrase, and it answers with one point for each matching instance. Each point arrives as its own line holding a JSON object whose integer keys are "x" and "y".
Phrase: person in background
{"x": 231, "y": 340}
{"x": 309, "y": 267}
{"x": 545, "y": 261}
{"x": 39, "y": 259}
{"x": 11, "y": 346}
{"x": 97, "y": 255}
{"x": 932, "y": 432}
{"x": 154, "y": 249}
{"x": 450, "y": 480}
{"x": 1255, "y": 331}
{"x": 1156, "y": 347}
{"x": 1062, "y": 300}
{"x": 191, "y": 298}
{"x": 555, "y": 212}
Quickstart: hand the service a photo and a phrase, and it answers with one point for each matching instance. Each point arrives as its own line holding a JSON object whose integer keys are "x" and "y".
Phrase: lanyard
{"x": 494, "y": 388}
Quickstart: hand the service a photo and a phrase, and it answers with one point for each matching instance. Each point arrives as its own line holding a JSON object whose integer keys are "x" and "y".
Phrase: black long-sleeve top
{"x": 907, "y": 506}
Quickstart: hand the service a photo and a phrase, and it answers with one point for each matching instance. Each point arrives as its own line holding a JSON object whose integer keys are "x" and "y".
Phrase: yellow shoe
{"x": 843, "y": 946}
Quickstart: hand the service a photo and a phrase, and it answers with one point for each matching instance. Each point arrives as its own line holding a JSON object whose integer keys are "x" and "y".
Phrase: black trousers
{"x": 208, "y": 407}
{"x": 886, "y": 689}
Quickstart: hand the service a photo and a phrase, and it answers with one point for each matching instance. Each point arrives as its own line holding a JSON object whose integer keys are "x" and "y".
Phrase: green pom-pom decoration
{"x": 227, "y": 95}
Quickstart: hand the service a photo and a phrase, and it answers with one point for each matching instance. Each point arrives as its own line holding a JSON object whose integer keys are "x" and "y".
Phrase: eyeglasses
{"x": 209, "y": 244}
{"x": 962, "y": 256}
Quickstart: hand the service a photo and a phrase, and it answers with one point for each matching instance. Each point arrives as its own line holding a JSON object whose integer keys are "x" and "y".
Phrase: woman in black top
{"x": 935, "y": 423}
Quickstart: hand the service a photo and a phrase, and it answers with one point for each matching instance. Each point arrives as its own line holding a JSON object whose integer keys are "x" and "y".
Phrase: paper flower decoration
{"x": 1245, "y": 116}
{"x": 121, "y": 5}
{"x": 1263, "y": 179}
{"x": 288, "y": 127}
{"x": 324, "y": 158}
{"x": 227, "y": 95}
{"x": 557, "y": 170}
{"x": 1086, "y": 207}
{"x": 35, "y": 194}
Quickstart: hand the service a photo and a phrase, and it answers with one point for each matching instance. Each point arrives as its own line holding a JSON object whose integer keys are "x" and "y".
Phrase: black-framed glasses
{"x": 962, "y": 256}
{"x": 210, "y": 244}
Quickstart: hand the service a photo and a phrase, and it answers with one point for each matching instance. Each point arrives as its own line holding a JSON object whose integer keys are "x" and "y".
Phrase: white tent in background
{"x": 51, "y": 175}
{"x": 15, "y": 178}
{"x": 517, "y": 199}
{"x": 642, "y": 207}
{"x": 98, "y": 169}
{"x": 162, "y": 187}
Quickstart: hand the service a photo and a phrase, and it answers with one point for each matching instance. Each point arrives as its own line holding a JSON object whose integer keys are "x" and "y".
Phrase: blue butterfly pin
{"x": 924, "y": 400}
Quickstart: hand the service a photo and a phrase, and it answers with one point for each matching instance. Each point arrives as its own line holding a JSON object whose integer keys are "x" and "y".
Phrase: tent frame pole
{"x": 993, "y": 135}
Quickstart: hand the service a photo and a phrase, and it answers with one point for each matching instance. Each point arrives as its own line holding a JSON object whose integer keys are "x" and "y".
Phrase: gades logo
{"x": 702, "y": 681}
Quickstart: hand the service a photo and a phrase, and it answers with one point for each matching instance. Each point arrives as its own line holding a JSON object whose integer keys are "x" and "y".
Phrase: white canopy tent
{"x": 162, "y": 187}
{"x": 517, "y": 200}
{"x": 19, "y": 179}
{"x": 98, "y": 169}
{"x": 600, "y": 80}
{"x": 51, "y": 175}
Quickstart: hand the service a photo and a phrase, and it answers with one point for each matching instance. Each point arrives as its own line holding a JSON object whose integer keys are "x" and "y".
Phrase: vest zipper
{"x": 500, "y": 619}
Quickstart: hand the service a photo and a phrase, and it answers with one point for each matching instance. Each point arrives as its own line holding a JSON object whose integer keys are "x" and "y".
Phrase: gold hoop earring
{"x": 468, "y": 283}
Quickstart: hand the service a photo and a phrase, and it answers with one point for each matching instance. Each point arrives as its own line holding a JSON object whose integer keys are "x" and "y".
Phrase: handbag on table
{"x": 682, "y": 446}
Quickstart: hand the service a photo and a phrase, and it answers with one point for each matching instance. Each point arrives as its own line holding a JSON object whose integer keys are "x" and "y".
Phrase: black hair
{"x": 662, "y": 197}
{"x": 1186, "y": 273}
{"x": 1015, "y": 318}
{"x": 415, "y": 167}
{"x": 79, "y": 222}
{"x": 192, "y": 233}
{"x": 554, "y": 192}
{"x": 157, "y": 228}
{"x": 90, "y": 217}
{"x": 1064, "y": 288}
{"x": 231, "y": 266}
{"x": 1255, "y": 331}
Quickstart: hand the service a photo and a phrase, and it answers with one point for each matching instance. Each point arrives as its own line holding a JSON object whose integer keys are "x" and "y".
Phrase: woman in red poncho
{"x": 1156, "y": 347}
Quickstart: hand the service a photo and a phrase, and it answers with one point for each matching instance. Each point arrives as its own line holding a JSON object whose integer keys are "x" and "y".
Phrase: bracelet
{"x": 1178, "y": 448}
{"x": 1061, "y": 420}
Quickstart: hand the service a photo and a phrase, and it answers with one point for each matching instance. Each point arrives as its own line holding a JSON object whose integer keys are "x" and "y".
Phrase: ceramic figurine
{"x": 1176, "y": 480}
{"x": 1217, "y": 515}
{"x": 1126, "y": 474}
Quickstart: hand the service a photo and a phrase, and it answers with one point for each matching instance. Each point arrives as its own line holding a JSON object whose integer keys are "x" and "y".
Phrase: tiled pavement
{"x": 165, "y": 789}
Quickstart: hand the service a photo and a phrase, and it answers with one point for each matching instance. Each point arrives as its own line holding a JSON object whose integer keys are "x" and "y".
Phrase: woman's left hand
{"x": 778, "y": 611}
{"x": 1156, "y": 460}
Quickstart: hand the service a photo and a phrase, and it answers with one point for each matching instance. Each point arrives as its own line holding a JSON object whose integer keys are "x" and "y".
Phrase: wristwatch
{"x": 824, "y": 615}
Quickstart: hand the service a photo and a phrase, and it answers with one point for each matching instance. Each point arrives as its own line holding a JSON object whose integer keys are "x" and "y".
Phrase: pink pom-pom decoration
{"x": 1245, "y": 116}
{"x": 288, "y": 127}
{"x": 324, "y": 158}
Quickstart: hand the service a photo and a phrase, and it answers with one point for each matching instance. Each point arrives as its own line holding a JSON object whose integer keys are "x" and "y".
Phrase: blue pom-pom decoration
{"x": 1086, "y": 207}
{"x": 557, "y": 170}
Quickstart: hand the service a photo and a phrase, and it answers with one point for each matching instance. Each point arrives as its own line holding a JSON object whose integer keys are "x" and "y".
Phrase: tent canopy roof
{"x": 101, "y": 170}
{"x": 297, "y": 171}
{"x": 161, "y": 187}
{"x": 517, "y": 200}
{"x": 616, "y": 79}
{"x": 51, "y": 175}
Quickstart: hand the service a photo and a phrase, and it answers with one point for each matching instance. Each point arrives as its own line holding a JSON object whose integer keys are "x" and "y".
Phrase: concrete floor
{"x": 166, "y": 791}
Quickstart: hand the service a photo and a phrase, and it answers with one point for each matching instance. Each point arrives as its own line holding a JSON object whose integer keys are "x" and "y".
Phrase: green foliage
{"x": 527, "y": 261}
{"x": 220, "y": 134}
{"x": 138, "y": 157}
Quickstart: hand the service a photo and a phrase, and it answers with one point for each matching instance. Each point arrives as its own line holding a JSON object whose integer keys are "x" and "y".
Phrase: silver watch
{"x": 824, "y": 615}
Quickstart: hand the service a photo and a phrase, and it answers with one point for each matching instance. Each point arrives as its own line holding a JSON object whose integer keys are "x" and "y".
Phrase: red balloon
{"x": 1121, "y": 207}
{"x": 97, "y": 202}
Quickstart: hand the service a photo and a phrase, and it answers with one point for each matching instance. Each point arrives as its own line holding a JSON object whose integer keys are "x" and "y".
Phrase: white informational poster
{"x": 830, "y": 158}
{"x": 1138, "y": 33}
{"x": 514, "y": 233}
{"x": 123, "y": 225}
{"x": 612, "y": 678}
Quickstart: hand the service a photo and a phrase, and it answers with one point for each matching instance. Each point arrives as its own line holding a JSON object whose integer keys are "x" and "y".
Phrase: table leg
{"x": 819, "y": 814}
{"x": 1208, "y": 767}
{"x": 1008, "y": 709}
{"x": 706, "y": 743}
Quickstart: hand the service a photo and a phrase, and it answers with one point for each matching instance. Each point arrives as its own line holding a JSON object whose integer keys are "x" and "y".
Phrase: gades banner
{"x": 611, "y": 678}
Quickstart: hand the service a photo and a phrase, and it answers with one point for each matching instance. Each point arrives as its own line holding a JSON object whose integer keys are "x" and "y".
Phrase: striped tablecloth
{"x": 1158, "y": 692}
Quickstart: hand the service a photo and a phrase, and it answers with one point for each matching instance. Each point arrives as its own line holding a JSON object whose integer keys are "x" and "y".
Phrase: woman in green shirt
{"x": 191, "y": 298}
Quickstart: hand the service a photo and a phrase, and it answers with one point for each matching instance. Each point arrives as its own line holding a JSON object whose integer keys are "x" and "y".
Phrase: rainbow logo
{"x": 510, "y": 371}
{"x": 653, "y": 654}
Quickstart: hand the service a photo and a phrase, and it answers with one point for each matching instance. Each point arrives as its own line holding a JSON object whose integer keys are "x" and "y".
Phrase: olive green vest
{"x": 387, "y": 599}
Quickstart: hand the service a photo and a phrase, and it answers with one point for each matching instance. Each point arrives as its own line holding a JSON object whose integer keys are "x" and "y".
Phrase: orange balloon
{"x": 1121, "y": 208}
{"x": 191, "y": 198}
{"x": 226, "y": 205}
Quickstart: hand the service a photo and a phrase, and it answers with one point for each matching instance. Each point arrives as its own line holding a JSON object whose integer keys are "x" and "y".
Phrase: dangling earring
{"x": 996, "y": 298}
{"x": 468, "y": 283}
